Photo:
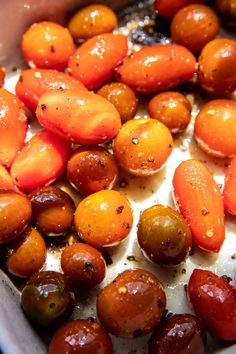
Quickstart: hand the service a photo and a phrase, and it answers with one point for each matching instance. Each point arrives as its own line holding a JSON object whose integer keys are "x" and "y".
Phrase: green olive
{"x": 46, "y": 298}
{"x": 164, "y": 236}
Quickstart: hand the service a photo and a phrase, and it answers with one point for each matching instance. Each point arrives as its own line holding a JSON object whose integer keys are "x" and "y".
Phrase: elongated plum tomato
{"x": 214, "y": 301}
{"x": 230, "y": 188}
{"x": 81, "y": 117}
{"x": 199, "y": 201}
{"x": 47, "y": 45}
{"x": 12, "y": 120}
{"x": 81, "y": 337}
{"x": 157, "y": 68}
{"x": 142, "y": 146}
{"x": 33, "y": 83}
{"x": 104, "y": 218}
{"x": 132, "y": 305}
{"x": 40, "y": 162}
{"x": 215, "y": 128}
{"x": 216, "y": 61}
{"x": 168, "y": 8}
{"x": 93, "y": 63}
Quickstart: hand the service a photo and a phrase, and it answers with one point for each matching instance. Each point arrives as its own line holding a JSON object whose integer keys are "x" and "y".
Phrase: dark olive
{"x": 46, "y": 298}
{"x": 81, "y": 337}
{"x": 227, "y": 8}
{"x": 164, "y": 236}
{"x": 15, "y": 214}
{"x": 53, "y": 210}
{"x": 178, "y": 334}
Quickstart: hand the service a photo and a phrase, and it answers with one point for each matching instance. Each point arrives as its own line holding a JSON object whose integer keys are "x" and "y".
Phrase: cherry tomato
{"x": 199, "y": 201}
{"x": 216, "y": 61}
{"x": 12, "y": 119}
{"x": 172, "y": 109}
{"x": 167, "y": 8}
{"x": 230, "y": 188}
{"x": 27, "y": 254}
{"x": 157, "y": 68}
{"x": 164, "y": 235}
{"x": 123, "y": 98}
{"x": 93, "y": 63}
{"x": 132, "y": 305}
{"x": 5, "y": 179}
{"x": 81, "y": 337}
{"x": 41, "y": 161}
{"x": 2, "y": 75}
{"x": 215, "y": 128}
{"x": 92, "y": 20}
{"x": 15, "y": 214}
{"x": 92, "y": 169}
{"x": 83, "y": 264}
{"x": 77, "y": 116}
{"x": 47, "y": 45}
{"x": 214, "y": 301}
{"x": 53, "y": 210}
{"x": 33, "y": 83}
{"x": 194, "y": 26}
{"x": 178, "y": 334}
{"x": 142, "y": 146}
{"x": 46, "y": 299}
{"x": 104, "y": 218}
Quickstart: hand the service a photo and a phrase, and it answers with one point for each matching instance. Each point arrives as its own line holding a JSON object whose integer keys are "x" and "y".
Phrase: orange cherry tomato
{"x": 194, "y": 26}
{"x": 85, "y": 337}
{"x": 5, "y": 179}
{"x": 214, "y": 301}
{"x": 27, "y": 254}
{"x": 40, "y": 162}
{"x": 47, "y": 45}
{"x": 92, "y": 20}
{"x": 167, "y": 8}
{"x": 216, "y": 61}
{"x": 104, "y": 218}
{"x": 215, "y": 128}
{"x": 132, "y": 305}
{"x": 142, "y": 146}
{"x": 92, "y": 169}
{"x": 157, "y": 68}
{"x": 199, "y": 201}
{"x": 81, "y": 117}
{"x": 33, "y": 83}
{"x": 94, "y": 62}
{"x": 12, "y": 120}
{"x": 230, "y": 188}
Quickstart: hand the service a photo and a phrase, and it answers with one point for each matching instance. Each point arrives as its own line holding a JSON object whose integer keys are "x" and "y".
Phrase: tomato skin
{"x": 214, "y": 300}
{"x": 81, "y": 117}
{"x": 216, "y": 61}
{"x": 33, "y": 83}
{"x": 5, "y": 179}
{"x": 47, "y": 45}
{"x": 157, "y": 68}
{"x": 2, "y": 75}
{"x": 200, "y": 203}
{"x": 93, "y": 63}
{"x": 44, "y": 150}
{"x": 12, "y": 119}
{"x": 167, "y": 8}
{"x": 215, "y": 128}
{"x": 229, "y": 193}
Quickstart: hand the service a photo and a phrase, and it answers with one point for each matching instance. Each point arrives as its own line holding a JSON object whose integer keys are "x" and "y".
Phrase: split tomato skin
{"x": 168, "y": 8}
{"x": 33, "y": 83}
{"x": 12, "y": 119}
{"x": 230, "y": 188}
{"x": 77, "y": 116}
{"x": 157, "y": 68}
{"x": 47, "y": 45}
{"x": 214, "y": 301}
{"x": 200, "y": 203}
{"x": 40, "y": 162}
{"x": 93, "y": 63}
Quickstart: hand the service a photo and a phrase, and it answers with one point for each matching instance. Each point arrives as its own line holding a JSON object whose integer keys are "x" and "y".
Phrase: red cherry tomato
{"x": 40, "y": 162}
{"x": 214, "y": 300}
{"x": 167, "y": 8}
